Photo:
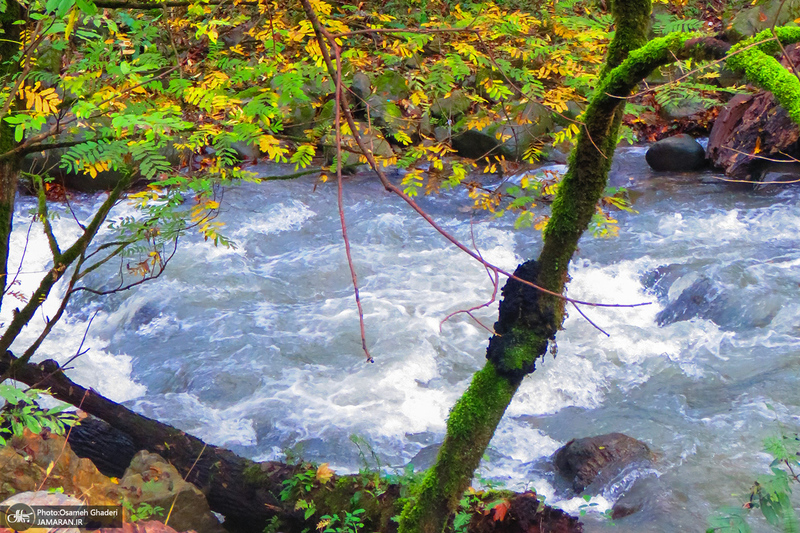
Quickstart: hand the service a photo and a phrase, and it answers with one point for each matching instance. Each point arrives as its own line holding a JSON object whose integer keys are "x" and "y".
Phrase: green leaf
{"x": 87, "y": 6}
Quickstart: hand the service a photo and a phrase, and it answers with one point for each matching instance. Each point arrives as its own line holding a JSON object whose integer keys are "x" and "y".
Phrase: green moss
{"x": 470, "y": 427}
{"x": 765, "y": 71}
{"x": 254, "y": 475}
{"x": 632, "y": 19}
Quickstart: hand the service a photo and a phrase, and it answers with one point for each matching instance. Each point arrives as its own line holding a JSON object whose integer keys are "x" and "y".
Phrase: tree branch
{"x": 64, "y": 260}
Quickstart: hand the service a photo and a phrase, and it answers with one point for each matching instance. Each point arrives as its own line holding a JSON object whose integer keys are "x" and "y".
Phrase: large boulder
{"x": 597, "y": 460}
{"x": 679, "y": 153}
{"x": 751, "y": 126}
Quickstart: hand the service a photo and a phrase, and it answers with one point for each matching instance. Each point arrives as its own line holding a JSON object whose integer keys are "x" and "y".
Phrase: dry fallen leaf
{"x": 500, "y": 510}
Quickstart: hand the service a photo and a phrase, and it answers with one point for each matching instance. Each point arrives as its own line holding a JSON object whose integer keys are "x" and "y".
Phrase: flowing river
{"x": 257, "y": 348}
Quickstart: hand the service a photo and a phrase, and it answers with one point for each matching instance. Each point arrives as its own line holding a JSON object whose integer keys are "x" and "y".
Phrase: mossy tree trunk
{"x": 9, "y": 168}
{"x": 529, "y": 319}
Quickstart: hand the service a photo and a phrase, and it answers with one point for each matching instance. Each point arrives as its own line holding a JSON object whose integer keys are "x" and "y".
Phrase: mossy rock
{"x": 391, "y": 86}
{"x": 516, "y": 138}
{"x": 152, "y": 480}
{"x": 361, "y": 86}
{"x": 747, "y": 22}
{"x": 301, "y": 118}
{"x": 385, "y": 114}
{"x": 474, "y": 144}
{"x": 370, "y": 136}
{"x": 452, "y": 107}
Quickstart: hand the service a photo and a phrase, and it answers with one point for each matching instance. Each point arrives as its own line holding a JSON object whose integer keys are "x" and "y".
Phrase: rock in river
{"x": 680, "y": 153}
{"x": 598, "y": 459}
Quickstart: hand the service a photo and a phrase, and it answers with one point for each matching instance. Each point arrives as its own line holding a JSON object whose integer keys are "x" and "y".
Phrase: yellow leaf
{"x": 324, "y": 473}
{"x": 49, "y": 468}
{"x": 73, "y": 16}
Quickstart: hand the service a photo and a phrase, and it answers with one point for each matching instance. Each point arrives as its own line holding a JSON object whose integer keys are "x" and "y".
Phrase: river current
{"x": 257, "y": 348}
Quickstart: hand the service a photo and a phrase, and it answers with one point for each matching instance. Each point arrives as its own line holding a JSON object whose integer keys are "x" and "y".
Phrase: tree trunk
{"x": 9, "y": 168}
{"x": 528, "y": 319}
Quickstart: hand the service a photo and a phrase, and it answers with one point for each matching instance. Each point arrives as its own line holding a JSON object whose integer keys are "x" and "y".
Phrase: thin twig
{"x": 22, "y": 259}
{"x": 601, "y": 330}
{"x": 340, "y": 201}
{"x": 756, "y": 156}
{"x": 494, "y": 277}
{"x": 321, "y": 35}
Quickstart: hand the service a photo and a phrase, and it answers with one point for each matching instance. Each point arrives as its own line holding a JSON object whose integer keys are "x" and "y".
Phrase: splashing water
{"x": 257, "y": 348}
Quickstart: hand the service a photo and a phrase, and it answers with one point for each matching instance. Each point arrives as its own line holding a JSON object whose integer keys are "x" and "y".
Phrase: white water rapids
{"x": 257, "y": 348}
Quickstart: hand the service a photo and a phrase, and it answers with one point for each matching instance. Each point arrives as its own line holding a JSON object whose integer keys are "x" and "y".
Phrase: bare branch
{"x": 340, "y": 200}
{"x": 322, "y": 34}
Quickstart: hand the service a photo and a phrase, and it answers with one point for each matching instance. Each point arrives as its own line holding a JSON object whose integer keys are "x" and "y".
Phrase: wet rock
{"x": 644, "y": 494}
{"x": 776, "y": 175}
{"x": 426, "y": 457}
{"x": 747, "y": 22}
{"x": 702, "y": 299}
{"x": 596, "y": 460}
{"x": 679, "y": 153}
{"x": 152, "y": 480}
{"x": 361, "y": 86}
{"x": 749, "y": 125}
{"x": 659, "y": 280}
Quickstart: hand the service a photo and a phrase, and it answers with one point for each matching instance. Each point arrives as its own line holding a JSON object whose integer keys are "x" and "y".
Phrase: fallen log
{"x": 248, "y": 493}
{"x": 219, "y": 473}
